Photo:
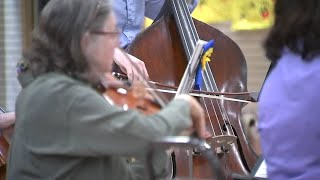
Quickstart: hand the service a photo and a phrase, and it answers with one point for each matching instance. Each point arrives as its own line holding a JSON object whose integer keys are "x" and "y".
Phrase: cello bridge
{"x": 221, "y": 144}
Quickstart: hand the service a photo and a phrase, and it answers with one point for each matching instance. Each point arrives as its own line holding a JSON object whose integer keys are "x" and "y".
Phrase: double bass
{"x": 166, "y": 47}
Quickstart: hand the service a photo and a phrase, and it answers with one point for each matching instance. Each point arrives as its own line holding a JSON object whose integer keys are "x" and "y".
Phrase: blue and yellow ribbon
{"x": 207, "y": 53}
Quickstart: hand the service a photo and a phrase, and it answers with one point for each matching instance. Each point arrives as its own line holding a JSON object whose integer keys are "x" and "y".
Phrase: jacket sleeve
{"x": 104, "y": 129}
{"x": 99, "y": 129}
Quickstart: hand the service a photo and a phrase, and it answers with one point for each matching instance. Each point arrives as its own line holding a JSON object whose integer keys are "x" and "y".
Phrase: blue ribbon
{"x": 199, "y": 74}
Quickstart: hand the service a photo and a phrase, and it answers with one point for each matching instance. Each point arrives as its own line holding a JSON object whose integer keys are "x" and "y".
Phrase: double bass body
{"x": 161, "y": 48}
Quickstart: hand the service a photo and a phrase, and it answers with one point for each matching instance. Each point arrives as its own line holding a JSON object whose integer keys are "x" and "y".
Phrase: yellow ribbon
{"x": 206, "y": 58}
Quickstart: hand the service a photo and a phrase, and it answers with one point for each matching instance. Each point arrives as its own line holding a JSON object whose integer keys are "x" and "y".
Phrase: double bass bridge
{"x": 221, "y": 143}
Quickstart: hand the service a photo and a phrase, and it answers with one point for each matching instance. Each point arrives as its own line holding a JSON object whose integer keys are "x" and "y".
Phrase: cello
{"x": 166, "y": 47}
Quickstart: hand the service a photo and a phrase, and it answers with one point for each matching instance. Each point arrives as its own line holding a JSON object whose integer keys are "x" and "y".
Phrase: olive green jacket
{"x": 66, "y": 130}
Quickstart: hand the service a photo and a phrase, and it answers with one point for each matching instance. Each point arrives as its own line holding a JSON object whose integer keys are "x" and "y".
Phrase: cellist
{"x": 64, "y": 128}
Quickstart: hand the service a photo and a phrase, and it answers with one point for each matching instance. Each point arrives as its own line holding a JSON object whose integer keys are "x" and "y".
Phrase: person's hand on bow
{"x": 121, "y": 59}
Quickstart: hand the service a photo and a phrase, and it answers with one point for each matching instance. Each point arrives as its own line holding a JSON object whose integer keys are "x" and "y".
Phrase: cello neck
{"x": 190, "y": 37}
{"x": 187, "y": 29}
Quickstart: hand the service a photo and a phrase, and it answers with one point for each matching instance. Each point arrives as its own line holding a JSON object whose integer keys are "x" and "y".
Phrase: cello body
{"x": 161, "y": 48}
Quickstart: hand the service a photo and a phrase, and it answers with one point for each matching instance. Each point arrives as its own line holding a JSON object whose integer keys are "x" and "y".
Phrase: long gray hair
{"x": 56, "y": 40}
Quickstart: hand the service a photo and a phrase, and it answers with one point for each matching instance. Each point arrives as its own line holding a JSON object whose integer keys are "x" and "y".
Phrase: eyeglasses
{"x": 114, "y": 35}
{"x": 101, "y": 32}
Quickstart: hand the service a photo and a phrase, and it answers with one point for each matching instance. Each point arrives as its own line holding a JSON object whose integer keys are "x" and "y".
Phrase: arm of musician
{"x": 123, "y": 132}
{"x": 7, "y": 120}
{"x": 108, "y": 130}
{"x": 128, "y": 65}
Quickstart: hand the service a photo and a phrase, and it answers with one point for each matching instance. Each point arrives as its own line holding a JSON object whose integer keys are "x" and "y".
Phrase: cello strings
{"x": 212, "y": 84}
{"x": 179, "y": 24}
{"x": 221, "y": 108}
{"x": 210, "y": 120}
{"x": 190, "y": 22}
{"x": 195, "y": 38}
{"x": 183, "y": 36}
{"x": 190, "y": 27}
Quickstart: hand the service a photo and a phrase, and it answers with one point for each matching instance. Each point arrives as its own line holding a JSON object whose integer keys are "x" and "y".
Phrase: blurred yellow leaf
{"x": 244, "y": 14}
{"x": 147, "y": 22}
{"x": 252, "y": 14}
{"x": 213, "y": 11}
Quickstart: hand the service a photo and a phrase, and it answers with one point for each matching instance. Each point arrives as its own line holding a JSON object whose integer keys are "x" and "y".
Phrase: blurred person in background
{"x": 289, "y": 102}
